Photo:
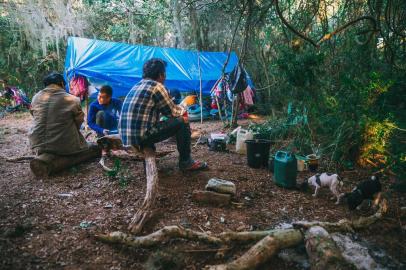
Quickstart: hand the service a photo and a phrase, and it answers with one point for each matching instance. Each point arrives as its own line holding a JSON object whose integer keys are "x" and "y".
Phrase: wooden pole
{"x": 201, "y": 91}
{"x": 87, "y": 111}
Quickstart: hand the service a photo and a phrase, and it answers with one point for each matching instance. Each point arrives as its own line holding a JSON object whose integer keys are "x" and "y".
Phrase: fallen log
{"x": 47, "y": 164}
{"x": 323, "y": 252}
{"x": 263, "y": 250}
{"x": 145, "y": 212}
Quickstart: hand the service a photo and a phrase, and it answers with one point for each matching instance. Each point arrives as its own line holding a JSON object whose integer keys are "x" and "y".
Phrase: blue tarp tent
{"x": 120, "y": 64}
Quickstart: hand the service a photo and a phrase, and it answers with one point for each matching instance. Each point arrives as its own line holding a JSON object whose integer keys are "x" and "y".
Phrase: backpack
{"x": 238, "y": 79}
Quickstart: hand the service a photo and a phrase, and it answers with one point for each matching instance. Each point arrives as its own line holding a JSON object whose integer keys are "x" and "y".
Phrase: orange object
{"x": 190, "y": 100}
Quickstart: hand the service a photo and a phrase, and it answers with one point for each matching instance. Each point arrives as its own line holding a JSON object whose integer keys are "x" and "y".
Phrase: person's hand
{"x": 106, "y": 132}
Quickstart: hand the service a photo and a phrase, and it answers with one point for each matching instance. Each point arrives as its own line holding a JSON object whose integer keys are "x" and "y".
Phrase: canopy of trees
{"x": 343, "y": 61}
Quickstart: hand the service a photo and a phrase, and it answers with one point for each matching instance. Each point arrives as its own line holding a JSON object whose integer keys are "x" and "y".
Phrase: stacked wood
{"x": 47, "y": 164}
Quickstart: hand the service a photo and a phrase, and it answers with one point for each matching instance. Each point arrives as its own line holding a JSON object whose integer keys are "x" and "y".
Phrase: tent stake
{"x": 201, "y": 94}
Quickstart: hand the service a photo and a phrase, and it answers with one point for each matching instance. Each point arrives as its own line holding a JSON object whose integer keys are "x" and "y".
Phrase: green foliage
{"x": 120, "y": 173}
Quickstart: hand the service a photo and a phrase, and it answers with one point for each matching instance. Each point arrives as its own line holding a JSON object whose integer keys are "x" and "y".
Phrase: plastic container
{"x": 242, "y": 136}
{"x": 313, "y": 161}
{"x": 285, "y": 169}
{"x": 258, "y": 153}
{"x": 301, "y": 163}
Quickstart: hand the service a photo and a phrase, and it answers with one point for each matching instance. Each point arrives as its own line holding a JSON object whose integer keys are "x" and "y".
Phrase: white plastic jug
{"x": 242, "y": 136}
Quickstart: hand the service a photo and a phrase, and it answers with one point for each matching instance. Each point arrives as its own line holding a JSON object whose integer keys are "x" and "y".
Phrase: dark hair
{"x": 54, "y": 78}
{"x": 153, "y": 68}
{"x": 106, "y": 89}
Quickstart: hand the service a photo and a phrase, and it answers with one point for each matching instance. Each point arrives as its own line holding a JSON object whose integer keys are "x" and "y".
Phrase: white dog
{"x": 326, "y": 180}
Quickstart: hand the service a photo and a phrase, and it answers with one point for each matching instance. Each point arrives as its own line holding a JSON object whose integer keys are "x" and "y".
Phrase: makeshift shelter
{"x": 120, "y": 65}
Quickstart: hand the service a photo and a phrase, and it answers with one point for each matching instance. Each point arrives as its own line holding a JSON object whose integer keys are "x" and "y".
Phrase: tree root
{"x": 157, "y": 238}
{"x": 321, "y": 248}
{"x": 345, "y": 225}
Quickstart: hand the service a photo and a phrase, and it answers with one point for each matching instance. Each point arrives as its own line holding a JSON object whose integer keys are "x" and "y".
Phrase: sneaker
{"x": 194, "y": 166}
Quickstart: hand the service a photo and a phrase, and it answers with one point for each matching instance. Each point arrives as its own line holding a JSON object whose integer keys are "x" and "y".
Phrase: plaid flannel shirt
{"x": 142, "y": 108}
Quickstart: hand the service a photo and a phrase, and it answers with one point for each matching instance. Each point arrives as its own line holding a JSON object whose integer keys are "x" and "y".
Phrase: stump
{"x": 47, "y": 164}
{"x": 145, "y": 212}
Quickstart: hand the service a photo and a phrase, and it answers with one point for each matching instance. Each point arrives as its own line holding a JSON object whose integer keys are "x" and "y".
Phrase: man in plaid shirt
{"x": 139, "y": 123}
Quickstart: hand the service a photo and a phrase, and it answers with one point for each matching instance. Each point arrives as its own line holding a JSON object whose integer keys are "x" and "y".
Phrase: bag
{"x": 238, "y": 80}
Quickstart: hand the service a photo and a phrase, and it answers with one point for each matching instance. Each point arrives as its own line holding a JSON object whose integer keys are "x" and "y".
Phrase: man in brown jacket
{"x": 57, "y": 119}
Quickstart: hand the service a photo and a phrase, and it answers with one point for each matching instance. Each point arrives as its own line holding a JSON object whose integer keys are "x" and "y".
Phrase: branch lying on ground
{"x": 270, "y": 242}
{"x": 346, "y": 225}
{"x": 157, "y": 238}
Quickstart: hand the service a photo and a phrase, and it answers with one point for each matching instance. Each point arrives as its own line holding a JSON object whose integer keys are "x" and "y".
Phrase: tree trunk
{"x": 177, "y": 24}
{"x": 323, "y": 252}
{"x": 47, "y": 164}
{"x": 145, "y": 212}
{"x": 194, "y": 20}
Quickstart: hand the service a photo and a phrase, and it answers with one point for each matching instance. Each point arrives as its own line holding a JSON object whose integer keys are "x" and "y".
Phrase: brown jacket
{"x": 57, "y": 119}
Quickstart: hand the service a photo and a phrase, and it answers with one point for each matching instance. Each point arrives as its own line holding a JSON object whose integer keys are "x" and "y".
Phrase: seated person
{"x": 57, "y": 119}
{"x": 104, "y": 112}
{"x": 139, "y": 123}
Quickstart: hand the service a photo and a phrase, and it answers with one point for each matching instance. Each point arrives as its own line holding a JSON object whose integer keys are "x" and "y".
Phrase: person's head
{"x": 54, "y": 78}
{"x": 105, "y": 94}
{"x": 154, "y": 69}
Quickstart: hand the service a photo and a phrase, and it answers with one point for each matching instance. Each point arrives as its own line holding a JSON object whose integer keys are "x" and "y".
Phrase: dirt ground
{"x": 41, "y": 228}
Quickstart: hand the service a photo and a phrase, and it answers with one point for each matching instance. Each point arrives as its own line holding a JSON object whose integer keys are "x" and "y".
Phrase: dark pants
{"x": 166, "y": 129}
{"x": 106, "y": 121}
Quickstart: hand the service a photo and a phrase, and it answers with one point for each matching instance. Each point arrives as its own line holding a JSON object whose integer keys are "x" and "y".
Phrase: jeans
{"x": 166, "y": 129}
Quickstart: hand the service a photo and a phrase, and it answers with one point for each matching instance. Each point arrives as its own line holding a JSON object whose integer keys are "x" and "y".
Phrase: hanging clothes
{"x": 78, "y": 87}
{"x": 248, "y": 96}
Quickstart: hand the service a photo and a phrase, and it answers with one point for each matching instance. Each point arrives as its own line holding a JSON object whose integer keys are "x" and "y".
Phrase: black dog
{"x": 364, "y": 191}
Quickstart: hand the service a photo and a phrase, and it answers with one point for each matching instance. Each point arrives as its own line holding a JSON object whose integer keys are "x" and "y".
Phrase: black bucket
{"x": 258, "y": 153}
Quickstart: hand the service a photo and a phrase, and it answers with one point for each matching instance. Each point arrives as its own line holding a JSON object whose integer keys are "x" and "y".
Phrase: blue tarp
{"x": 120, "y": 64}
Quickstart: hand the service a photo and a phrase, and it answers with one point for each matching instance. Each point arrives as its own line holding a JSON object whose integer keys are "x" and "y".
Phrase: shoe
{"x": 194, "y": 166}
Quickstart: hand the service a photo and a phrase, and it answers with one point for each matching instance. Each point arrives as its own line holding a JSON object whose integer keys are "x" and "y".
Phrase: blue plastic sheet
{"x": 120, "y": 65}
